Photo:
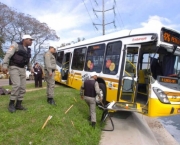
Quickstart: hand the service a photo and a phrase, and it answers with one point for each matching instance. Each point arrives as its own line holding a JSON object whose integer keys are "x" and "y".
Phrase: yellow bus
{"x": 139, "y": 68}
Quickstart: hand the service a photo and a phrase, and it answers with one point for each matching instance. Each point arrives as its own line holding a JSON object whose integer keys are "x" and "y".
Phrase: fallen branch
{"x": 75, "y": 99}
{"x": 49, "y": 117}
{"x": 72, "y": 123}
{"x": 69, "y": 109}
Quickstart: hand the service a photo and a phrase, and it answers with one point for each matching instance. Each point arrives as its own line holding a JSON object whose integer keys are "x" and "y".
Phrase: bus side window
{"x": 95, "y": 58}
{"x": 59, "y": 58}
{"x": 78, "y": 58}
{"x": 112, "y": 57}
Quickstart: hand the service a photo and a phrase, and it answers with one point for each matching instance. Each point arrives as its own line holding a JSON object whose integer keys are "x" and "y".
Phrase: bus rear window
{"x": 95, "y": 57}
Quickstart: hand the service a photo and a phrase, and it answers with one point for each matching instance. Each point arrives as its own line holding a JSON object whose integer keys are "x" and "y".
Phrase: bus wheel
{"x": 103, "y": 95}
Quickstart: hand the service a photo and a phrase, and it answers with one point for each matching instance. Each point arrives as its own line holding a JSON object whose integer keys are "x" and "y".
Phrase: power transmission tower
{"x": 103, "y": 16}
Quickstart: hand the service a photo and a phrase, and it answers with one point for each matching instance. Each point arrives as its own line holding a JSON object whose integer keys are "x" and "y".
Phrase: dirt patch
{"x": 35, "y": 89}
{"x": 154, "y": 124}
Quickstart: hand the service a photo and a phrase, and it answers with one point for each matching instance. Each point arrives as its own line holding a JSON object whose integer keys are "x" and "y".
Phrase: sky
{"x": 74, "y": 18}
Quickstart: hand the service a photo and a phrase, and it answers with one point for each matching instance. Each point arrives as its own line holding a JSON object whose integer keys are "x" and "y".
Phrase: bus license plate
{"x": 178, "y": 111}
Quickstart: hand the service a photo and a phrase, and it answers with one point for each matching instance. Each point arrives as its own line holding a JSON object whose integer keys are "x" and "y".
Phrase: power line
{"x": 95, "y": 12}
{"x": 103, "y": 17}
{"x": 118, "y": 13}
{"x": 88, "y": 13}
{"x": 96, "y": 2}
{"x": 91, "y": 3}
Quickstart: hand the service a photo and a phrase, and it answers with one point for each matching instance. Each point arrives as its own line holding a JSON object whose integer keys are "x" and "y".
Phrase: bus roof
{"x": 122, "y": 33}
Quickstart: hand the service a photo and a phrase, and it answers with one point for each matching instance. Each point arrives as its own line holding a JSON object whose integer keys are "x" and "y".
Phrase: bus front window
{"x": 177, "y": 65}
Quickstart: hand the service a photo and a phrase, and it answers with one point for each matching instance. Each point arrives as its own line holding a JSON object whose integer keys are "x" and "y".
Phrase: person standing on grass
{"x": 16, "y": 59}
{"x": 88, "y": 92}
{"x": 49, "y": 69}
{"x": 37, "y": 75}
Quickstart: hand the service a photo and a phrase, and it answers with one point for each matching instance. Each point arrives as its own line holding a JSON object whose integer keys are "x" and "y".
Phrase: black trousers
{"x": 38, "y": 80}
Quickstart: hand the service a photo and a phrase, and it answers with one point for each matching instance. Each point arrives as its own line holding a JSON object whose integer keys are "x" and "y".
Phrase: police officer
{"x": 49, "y": 69}
{"x": 16, "y": 59}
{"x": 90, "y": 88}
{"x": 38, "y": 75}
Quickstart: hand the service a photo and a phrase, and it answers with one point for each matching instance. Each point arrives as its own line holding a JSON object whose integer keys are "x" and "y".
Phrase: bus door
{"x": 59, "y": 61}
{"x": 128, "y": 83}
{"x": 65, "y": 66}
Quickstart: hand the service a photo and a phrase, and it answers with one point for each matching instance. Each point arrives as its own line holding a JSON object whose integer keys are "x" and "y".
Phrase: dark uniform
{"x": 16, "y": 59}
{"x": 38, "y": 75}
{"x": 91, "y": 89}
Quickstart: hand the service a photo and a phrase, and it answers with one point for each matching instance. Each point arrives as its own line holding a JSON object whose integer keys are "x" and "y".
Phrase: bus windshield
{"x": 157, "y": 62}
{"x": 163, "y": 66}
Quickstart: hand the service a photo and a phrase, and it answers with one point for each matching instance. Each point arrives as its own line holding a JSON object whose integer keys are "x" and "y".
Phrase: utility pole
{"x": 103, "y": 17}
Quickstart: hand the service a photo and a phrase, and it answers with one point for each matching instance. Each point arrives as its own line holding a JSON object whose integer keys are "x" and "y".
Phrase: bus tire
{"x": 102, "y": 88}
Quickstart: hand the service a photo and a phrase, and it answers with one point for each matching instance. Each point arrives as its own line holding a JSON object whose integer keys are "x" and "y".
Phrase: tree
{"x": 13, "y": 25}
{"x": 6, "y": 17}
{"x": 1, "y": 50}
{"x": 72, "y": 42}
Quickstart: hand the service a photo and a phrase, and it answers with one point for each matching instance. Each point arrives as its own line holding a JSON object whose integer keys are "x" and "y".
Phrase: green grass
{"x": 24, "y": 127}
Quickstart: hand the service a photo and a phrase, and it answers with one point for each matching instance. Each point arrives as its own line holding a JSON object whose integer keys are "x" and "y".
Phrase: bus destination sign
{"x": 172, "y": 38}
{"x": 168, "y": 80}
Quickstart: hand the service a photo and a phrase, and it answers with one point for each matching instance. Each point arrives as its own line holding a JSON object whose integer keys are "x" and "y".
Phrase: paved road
{"x": 5, "y": 82}
{"x": 134, "y": 129}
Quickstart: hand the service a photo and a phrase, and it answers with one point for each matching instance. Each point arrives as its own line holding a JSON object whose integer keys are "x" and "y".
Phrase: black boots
{"x": 89, "y": 118}
{"x": 19, "y": 106}
{"x": 51, "y": 101}
{"x": 93, "y": 124}
{"x": 11, "y": 107}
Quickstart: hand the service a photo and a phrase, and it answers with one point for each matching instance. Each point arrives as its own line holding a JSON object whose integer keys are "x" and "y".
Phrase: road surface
{"x": 131, "y": 128}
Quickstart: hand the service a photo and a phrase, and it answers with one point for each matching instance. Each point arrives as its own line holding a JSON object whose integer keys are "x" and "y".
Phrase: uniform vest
{"x": 20, "y": 57}
{"x": 38, "y": 70}
{"x": 89, "y": 89}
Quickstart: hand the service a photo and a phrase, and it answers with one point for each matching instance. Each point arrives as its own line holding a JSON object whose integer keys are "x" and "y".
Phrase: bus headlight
{"x": 161, "y": 95}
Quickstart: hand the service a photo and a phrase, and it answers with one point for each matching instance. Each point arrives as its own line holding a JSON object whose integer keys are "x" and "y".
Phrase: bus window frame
{"x": 85, "y": 67}
{"x": 105, "y": 54}
{"x": 85, "y": 54}
{"x": 58, "y": 57}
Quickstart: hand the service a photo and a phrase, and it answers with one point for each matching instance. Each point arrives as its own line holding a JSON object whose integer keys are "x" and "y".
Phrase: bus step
{"x": 125, "y": 106}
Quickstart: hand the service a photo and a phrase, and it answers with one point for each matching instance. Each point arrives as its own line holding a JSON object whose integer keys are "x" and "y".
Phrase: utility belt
{"x": 90, "y": 96}
{"x": 18, "y": 65}
{"x": 52, "y": 70}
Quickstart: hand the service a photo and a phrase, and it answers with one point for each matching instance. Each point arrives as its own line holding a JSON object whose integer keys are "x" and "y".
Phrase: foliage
{"x": 24, "y": 127}
{"x": 73, "y": 42}
{"x": 13, "y": 25}
{"x": 1, "y": 50}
